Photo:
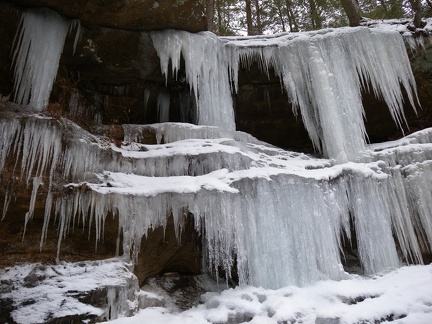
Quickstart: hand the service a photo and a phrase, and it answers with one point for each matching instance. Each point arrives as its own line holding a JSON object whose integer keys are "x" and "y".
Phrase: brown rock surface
{"x": 128, "y": 14}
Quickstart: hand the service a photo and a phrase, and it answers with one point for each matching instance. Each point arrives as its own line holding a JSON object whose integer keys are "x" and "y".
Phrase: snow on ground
{"x": 42, "y": 292}
{"x": 400, "y": 296}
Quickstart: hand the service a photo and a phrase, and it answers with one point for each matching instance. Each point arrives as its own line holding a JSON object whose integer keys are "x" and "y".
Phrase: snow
{"x": 400, "y": 296}
{"x": 41, "y": 292}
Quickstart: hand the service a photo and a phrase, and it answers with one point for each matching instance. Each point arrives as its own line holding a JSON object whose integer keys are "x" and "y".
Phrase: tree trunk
{"x": 210, "y": 13}
{"x": 281, "y": 18}
{"x": 316, "y": 19}
{"x": 219, "y": 16}
{"x": 291, "y": 18}
{"x": 352, "y": 9}
{"x": 258, "y": 18}
{"x": 250, "y": 30}
{"x": 417, "y": 9}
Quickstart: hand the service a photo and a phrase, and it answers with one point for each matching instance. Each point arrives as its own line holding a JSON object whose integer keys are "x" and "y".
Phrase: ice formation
{"x": 278, "y": 217}
{"x": 38, "y": 46}
{"x": 206, "y": 72}
{"x": 163, "y": 106}
{"x": 322, "y": 73}
{"x": 275, "y": 217}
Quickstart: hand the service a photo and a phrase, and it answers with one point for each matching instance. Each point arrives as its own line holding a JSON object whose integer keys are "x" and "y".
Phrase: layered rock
{"x": 137, "y": 14}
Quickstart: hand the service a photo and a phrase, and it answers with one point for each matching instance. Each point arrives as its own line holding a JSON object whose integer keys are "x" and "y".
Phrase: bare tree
{"x": 352, "y": 9}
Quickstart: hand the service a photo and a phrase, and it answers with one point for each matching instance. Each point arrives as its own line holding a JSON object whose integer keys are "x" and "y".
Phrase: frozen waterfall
{"x": 273, "y": 217}
{"x": 276, "y": 217}
{"x": 322, "y": 72}
{"x": 206, "y": 72}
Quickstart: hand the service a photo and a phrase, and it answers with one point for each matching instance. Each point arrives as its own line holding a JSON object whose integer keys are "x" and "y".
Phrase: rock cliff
{"x": 114, "y": 77}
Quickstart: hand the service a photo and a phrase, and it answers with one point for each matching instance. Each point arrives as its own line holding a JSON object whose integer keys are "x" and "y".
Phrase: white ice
{"x": 38, "y": 45}
{"x": 322, "y": 72}
{"x": 249, "y": 189}
{"x": 276, "y": 217}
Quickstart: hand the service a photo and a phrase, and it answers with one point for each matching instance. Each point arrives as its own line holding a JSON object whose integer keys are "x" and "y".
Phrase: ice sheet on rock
{"x": 415, "y": 38}
{"x": 172, "y": 132}
{"x": 38, "y": 46}
{"x": 120, "y": 183}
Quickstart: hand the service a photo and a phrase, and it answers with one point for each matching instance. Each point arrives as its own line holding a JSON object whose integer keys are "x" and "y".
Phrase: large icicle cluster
{"x": 277, "y": 217}
{"x": 322, "y": 73}
{"x": 39, "y": 43}
{"x": 206, "y": 72}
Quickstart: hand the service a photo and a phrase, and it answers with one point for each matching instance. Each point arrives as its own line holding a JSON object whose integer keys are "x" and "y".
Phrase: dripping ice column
{"x": 38, "y": 46}
{"x": 323, "y": 74}
{"x": 206, "y": 68}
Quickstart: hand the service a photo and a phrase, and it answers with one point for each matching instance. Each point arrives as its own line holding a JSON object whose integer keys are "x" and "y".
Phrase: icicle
{"x": 146, "y": 99}
{"x": 419, "y": 181}
{"x": 322, "y": 73}
{"x": 206, "y": 72}
{"x": 371, "y": 214}
{"x": 7, "y": 200}
{"x": 8, "y": 134}
{"x": 163, "y": 105}
{"x": 403, "y": 226}
{"x": 37, "y": 181}
{"x": 38, "y": 46}
{"x": 76, "y": 24}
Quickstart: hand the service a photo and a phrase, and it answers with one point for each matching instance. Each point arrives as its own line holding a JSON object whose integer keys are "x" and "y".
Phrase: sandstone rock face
{"x": 162, "y": 253}
{"x": 128, "y": 14}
